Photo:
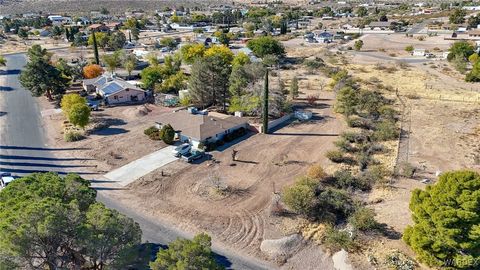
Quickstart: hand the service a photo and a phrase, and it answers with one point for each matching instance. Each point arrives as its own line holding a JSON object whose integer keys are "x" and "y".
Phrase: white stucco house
{"x": 115, "y": 90}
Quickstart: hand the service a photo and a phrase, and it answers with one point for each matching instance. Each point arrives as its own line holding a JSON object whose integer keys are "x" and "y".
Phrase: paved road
{"x": 23, "y": 151}
{"x": 380, "y": 56}
{"x": 22, "y": 147}
{"x": 417, "y": 28}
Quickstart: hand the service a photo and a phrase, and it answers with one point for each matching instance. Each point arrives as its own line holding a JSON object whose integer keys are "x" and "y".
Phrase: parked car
{"x": 193, "y": 155}
{"x": 182, "y": 149}
{"x": 93, "y": 107}
{"x": 6, "y": 178}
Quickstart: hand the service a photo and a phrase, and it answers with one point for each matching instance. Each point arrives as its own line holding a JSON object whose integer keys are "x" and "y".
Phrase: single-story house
{"x": 113, "y": 26}
{"x": 97, "y": 27}
{"x": 114, "y": 90}
{"x": 195, "y": 128}
{"x": 380, "y": 25}
{"x": 324, "y": 37}
{"x": 474, "y": 33}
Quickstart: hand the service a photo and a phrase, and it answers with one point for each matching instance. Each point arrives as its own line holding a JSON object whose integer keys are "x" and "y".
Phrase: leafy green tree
{"x": 262, "y": 46}
{"x": 79, "y": 114}
{"x": 191, "y": 52}
{"x": 187, "y": 254}
{"x": 57, "y": 31}
{"x": 112, "y": 61}
{"x": 173, "y": 83}
{"x": 462, "y": 49}
{"x": 129, "y": 63}
{"x": 151, "y": 76}
{"x": 22, "y": 33}
{"x": 108, "y": 236}
{"x": 358, "y": 45}
{"x": 473, "y": 21}
{"x": 446, "y": 220}
{"x": 222, "y": 52}
{"x": 474, "y": 74}
{"x": 101, "y": 39}
{"x": 457, "y": 16}
{"x": 240, "y": 59}
{"x": 473, "y": 58}
{"x": 116, "y": 40}
{"x": 167, "y": 134}
{"x": 45, "y": 225}
{"x": 362, "y": 12}
{"x": 69, "y": 100}
{"x": 168, "y": 42}
{"x": 40, "y": 77}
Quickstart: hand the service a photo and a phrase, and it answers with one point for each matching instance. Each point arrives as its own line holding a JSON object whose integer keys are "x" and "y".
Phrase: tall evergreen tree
{"x": 95, "y": 48}
{"x": 40, "y": 76}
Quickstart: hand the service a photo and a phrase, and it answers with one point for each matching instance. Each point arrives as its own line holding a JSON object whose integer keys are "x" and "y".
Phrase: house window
{"x": 127, "y": 89}
{"x": 115, "y": 97}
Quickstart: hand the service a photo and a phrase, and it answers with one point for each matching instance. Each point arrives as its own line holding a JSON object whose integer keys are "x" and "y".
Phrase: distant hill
{"x": 80, "y": 6}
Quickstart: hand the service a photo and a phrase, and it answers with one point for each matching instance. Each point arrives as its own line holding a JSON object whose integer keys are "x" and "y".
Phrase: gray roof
{"x": 199, "y": 127}
{"x": 108, "y": 85}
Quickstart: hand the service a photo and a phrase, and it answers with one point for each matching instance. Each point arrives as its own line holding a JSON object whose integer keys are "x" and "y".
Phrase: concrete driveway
{"x": 142, "y": 166}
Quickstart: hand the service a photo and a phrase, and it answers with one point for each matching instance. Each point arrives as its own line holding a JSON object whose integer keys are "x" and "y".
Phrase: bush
{"x": 316, "y": 172}
{"x": 407, "y": 170}
{"x": 358, "y": 122}
{"x": 336, "y": 240}
{"x": 345, "y": 180}
{"x": 150, "y": 130}
{"x": 153, "y": 133}
{"x": 409, "y": 48}
{"x": 363, "y": 219}
{"x": 167, "y": 134}
{"x": 345, "y": 146}
{"x": 332, "y": 205}
{"x": 335, "y": 156}
{"x": 354, "y": 137}
{"x": 300, "y": 196}
{"x": 399, "y": 261}
{"x": 73, "y": 136}
{"x": 385, "y": 130}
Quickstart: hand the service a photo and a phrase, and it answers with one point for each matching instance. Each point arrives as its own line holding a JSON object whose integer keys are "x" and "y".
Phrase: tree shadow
{"x": 10, "y": 72}
{"x": 6, "y": 88}
{"x": 109, "y": 131}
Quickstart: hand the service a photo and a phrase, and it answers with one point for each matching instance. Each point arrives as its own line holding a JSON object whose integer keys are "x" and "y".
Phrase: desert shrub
{"x": 316, "y": 172}
{"x": 153, "y": 133}
{"x": 363, "y": 159}
{"x": 399, "y": 261}
{"x": 345, "y": 180}
{"x": 409, "y": 48}
{"x": 150, "y": 130}
{"x": 335, "y": 240}
{"x": 358, "y": 122}
{"x": 345, "y": 146}
{"x": 331, "y": 205}
{"x": 300, "y": 196}
{"x": 335, "y": 156}
{"x": 73, "y": 136}
{"x": 363, "y": 219}
{"x": 355, "y": 137}
{"x": 374, "y": 175}
{"x": 385, "y": 130}
{"x": 388, "y": 113}
{"x": 406, "y": 170}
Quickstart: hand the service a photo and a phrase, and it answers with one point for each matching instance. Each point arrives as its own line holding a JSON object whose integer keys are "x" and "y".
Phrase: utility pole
{"x": 95, "y": 48}
{"x": 265, "y": 104}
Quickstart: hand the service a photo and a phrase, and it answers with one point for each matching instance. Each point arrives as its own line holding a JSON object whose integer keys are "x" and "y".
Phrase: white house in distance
{"x": 195, "y": 128}
{"x": 114, "y": 90}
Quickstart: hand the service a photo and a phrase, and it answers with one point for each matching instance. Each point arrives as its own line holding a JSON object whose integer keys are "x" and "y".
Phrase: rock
{"x": 282, "y": 247}
{"x": 340, "y": 261}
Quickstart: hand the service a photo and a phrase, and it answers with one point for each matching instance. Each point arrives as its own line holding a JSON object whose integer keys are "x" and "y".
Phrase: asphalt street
{"x": 23, "y": 151}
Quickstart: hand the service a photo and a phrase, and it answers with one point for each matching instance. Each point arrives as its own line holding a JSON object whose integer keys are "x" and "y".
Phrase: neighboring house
{"x": 324, "y": 37}
{"x": 474, "y": 33}
{"x": 250, "y": 54}
{"x": 113, "y": 26}
{"x": 97, "y": 27}
{"x": 196, "y": 128}
{"x": 57, "y": 19}
{"x": 380, "y": 25}
{"x": 114, "y": 90}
